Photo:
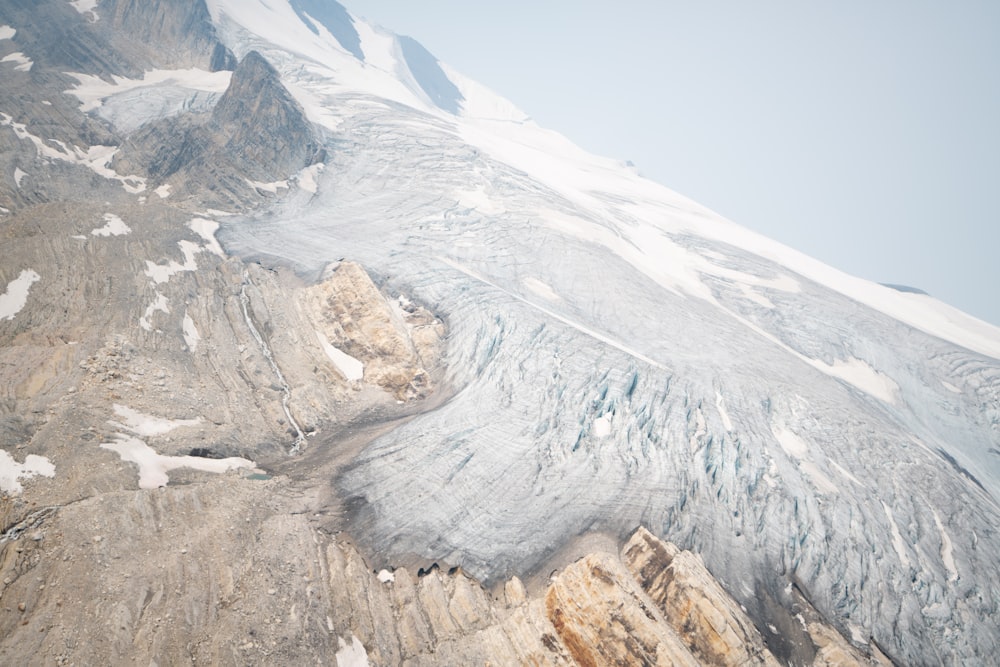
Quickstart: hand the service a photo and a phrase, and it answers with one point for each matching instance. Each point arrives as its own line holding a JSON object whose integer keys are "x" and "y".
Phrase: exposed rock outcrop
{"x": 118, "y": 37}
{"x": 396, "y": 342}
{"x": 184, "y": 25}
{"x": 259, "y": 126}
{"x": 697, "y": 607}
{"x": 256, "y": 132}
{"x": 233, "y": 572}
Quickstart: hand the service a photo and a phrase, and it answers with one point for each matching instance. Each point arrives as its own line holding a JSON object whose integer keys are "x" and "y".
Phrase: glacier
{"x": 618, "y": 355}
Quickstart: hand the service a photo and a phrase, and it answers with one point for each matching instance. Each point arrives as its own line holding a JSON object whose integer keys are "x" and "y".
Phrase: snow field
{"x": 154, "y": 467}
{"x": 22, "y": 63}
{"x": 93, "y": 91}
{"x": 12, "y": 472}
{"x": 15, "y": 296}
{"x": 349, "y": 367}
{"x": 113, "y": 226}
{"x": 95, "y": 158}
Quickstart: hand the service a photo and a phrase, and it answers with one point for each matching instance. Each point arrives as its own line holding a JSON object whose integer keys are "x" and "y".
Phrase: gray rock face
{"x": 128, "y": 37}
{"x": 256, "y": 132}
{"x": 177, "y": 34}
{"x": 259, "y": 126}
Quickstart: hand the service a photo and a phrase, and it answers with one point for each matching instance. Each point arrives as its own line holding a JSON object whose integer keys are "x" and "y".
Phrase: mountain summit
{"x": 314, "y": 349}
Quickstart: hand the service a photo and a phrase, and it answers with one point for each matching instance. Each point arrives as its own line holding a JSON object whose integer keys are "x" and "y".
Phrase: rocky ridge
{"x": 238, "y": 396}
{"x": 234, "y": 571}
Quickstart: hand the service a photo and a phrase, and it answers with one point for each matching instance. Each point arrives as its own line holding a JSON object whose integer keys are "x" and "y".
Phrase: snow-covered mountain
{"x": 616, "y": 355}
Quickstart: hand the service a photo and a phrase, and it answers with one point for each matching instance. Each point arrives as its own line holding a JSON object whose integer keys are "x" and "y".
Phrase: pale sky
{"x": 865, "y": 133}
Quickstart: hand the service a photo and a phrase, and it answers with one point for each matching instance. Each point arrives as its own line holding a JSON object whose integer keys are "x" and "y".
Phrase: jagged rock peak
{"x": 255, "y": 87}
{"x": 263, "y": 126}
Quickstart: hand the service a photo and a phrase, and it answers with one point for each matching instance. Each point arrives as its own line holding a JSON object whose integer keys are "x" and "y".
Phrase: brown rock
{"x": 710, "y": 622}
{"x": 396, "y": 345}
{"x": 601, "y": 618}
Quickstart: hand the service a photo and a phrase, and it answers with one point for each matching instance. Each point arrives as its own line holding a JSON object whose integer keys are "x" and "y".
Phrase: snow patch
{"x": 18, "y": 175}
{"x": 897, "y": 540}
{"x": 843, "y": 471}
{"x": 950, "y": 387}
{"x": 206, "y": 229}
{"x": 307, "y": 178}
{"x": 86, "y": 7}
{"x": 163, "y": 191}
{"x": 349, "y": 367}
{"x": 602, "y": 426}
{"x": 93, "y": 91}
{"x": 351, "y": 655}
{"x": 147, "y": 425}
{"x": 480, "y": 201}
{"x": 861, "y": 375}
{"x": 269, "y": 187}
{"x": 12, "y": 472}
{"x": 753, "y": 295}
{"x": 823, "y": 483}
{"x": 15, "y": 296}
{"x": 113, "y": 226}
{"x": 161, "y": 273}
{"x": 95, "y": 158}
{"x": 153, "y": 467}
{"x": 24, "y": 63}
{"x": 386, "y": 577}
{"x": 720, "y": 405}
{"x": 215, "y": 213}
{"x": 191, "y": 335}
{"x": 540, "y": 289}
{"x": 159, "y": 305}
{"x": 790, "y": 442}
{"x": 797, "y": 448}
{"x": 947, "y": 553}
{"x": 6, "y": 32}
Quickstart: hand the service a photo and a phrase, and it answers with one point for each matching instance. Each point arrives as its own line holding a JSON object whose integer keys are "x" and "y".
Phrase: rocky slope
{"x": 414, "y": 406}
{"x": 143, "y": 356}
{"x": 235, "y": 571}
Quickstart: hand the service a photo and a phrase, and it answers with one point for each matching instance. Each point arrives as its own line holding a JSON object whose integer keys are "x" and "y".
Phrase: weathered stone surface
{"x": 601, "y": 619}
{"x": 396, "y": 343}
{"x": 257, "y": 132}
{"x": 125, "y": 37}
{"x": 259, "y": 126}
{"x": 709, "y": 621}
{"x": 185, "y": 26}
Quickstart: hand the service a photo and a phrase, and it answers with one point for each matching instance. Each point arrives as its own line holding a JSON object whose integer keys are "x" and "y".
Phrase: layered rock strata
{"x": 234, "y": 571}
